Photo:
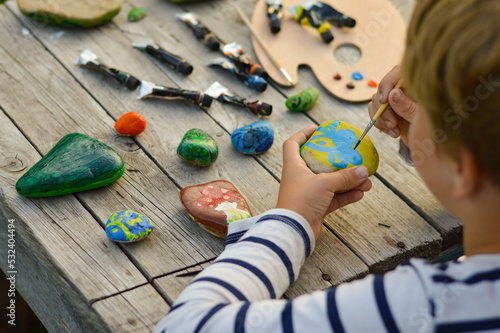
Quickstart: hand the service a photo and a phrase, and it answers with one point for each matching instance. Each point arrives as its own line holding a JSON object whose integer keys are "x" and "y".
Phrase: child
{"x": 452, "y": 69}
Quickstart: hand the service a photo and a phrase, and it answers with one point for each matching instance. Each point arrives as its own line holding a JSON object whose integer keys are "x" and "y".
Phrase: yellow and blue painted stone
{"x": 128, "y": 226}
{"x": 330, "y": 148}
{"x": 253, "y": 139}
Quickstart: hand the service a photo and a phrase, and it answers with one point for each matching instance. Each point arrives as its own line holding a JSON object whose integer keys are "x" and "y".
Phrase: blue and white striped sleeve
{"x": 240, "y": 291}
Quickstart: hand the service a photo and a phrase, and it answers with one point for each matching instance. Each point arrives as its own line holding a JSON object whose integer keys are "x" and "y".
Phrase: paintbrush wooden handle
{"x": 382, "y": 107}
{"x": 257, "y": 36}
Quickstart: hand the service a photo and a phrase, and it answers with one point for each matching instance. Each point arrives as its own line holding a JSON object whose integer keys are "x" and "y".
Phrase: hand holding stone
{"x": 401, "y": 110}
{"x": 316, "y": 195}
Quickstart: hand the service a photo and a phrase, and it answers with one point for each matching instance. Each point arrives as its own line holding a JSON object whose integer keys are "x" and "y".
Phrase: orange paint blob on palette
{"x": 130, "y": 124}
{"x": 372, "y": 84}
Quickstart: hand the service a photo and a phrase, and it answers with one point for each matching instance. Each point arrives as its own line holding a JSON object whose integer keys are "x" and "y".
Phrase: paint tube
{"x": 243, "y": 61}
{"x": 200, "y": 30}
{"x": 275, "y": 15}
{"x": 148, "y": 89}
{"x": 88, "y": 59}
{"x": 224, "y": 95}
{"x": 336, "y": 18}
{"x": 252, "y": 81}
{"x": 173, "y": 61}
{"x": 306, "y": 14}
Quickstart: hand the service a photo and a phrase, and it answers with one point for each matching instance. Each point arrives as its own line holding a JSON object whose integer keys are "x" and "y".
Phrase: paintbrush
{"x": 264, "y": 46}
{"x": 377, "y": 114}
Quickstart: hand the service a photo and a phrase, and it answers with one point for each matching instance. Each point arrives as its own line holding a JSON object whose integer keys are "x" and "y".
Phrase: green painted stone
{"x": 76, "y": 163}
{"x": 136, "y": 14}
{"x": 198, "y": 147}
{"x": 71, "y": 13}
{"x": 302, "y": 101}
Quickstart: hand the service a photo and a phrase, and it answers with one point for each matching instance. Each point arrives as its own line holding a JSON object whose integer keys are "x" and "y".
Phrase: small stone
{"x": 253, "y": 139}
{"x": 372, "y": 84}
{"x": 128, "y": 226}
{"x": 330, "y": 148}
{"x": 215, "y": 205}
{"x": 302, "y": 101}
{"x": 350, "y": 85}
{"x": 401, "y": 245}
{"x": 198, "y": 147}
{"x": 76, "y": 163}
{"x": 357, "y": 76}
{"x": 326, "y": 277}
{"x": 136, "y": 14}
{"x": 70, "y": 13}
{"x": 130, "y": 124}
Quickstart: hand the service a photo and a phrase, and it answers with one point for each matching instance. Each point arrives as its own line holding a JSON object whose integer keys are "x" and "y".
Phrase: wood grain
{"x": 258, "y": 185}
{"x": 137, "y": 310}
{"x": 61, "y": 257}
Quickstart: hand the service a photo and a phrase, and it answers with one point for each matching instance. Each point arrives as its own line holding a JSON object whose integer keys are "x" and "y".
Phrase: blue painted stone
{"x": 357, "y": 76}
{"x": 128, "y": 226}
{"x": 253, "y": 139}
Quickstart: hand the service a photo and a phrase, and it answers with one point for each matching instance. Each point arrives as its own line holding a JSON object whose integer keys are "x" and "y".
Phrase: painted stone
{"x": 253, "y": 139}
{"x": 70, "y": 13}
{"x": 215, "y": 205}
{"x": 128, "y": 226}
{"x": 136, "y": 14}
{"x": 302, "y": 101}
{"x": 330, "y": 148}
{"x": 76, "y": 163}
{"x": 131, "y": 123}
{"x": 198, "y": 147}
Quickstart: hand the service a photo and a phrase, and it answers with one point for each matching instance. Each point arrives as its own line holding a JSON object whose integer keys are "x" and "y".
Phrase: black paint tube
{"x": 148, "y": 90}
{"x": 224, "y": 95}
{"x": 88, "y": 59}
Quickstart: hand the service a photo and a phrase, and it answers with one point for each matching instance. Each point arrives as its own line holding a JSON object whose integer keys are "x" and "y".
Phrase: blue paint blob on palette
{"x": 357, "y": 76}
{"x": 253, "y": 139}
{"x": 128, "y": 226}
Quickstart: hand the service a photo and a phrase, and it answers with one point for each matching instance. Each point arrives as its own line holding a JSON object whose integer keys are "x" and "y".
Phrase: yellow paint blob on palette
{"x": 330, "y": 148}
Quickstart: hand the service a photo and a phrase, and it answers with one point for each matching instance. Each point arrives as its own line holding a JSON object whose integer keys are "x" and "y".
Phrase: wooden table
{"x": 70, "y": 273}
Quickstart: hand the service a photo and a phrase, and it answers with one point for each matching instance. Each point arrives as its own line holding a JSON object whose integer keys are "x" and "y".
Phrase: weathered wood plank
{"x": 137, "y": 310}
{"x": 258, "y": 185}
{"x": 287, "y": 123}
{"x": 61, "y": 257}
{"x": 47, "y": 103}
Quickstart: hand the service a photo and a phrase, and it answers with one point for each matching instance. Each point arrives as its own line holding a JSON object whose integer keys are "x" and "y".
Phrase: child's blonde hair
{"x": 452, "y": 69}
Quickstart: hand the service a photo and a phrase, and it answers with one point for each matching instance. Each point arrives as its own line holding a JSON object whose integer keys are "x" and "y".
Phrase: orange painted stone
{"x": 131, "y": 124}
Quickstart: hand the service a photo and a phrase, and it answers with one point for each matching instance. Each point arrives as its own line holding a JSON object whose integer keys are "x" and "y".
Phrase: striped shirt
{"x": 241, "y": 290}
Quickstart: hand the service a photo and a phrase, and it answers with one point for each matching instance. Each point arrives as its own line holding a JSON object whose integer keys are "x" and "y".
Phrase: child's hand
{"x": 316, "y": 195}
{"x": 401, "y": 110}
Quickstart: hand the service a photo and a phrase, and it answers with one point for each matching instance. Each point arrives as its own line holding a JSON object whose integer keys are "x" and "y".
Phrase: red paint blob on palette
{"x": 131, "y": 124}
{"x": 372, "y": 84}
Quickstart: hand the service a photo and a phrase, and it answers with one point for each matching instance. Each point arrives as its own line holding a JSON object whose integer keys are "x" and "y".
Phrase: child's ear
{"x": 467, "y": 176}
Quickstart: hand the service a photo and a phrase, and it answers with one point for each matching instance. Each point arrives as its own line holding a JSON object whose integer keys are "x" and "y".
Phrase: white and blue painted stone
{"x": 128, "y": 226}
{"x": 253, "y": 139}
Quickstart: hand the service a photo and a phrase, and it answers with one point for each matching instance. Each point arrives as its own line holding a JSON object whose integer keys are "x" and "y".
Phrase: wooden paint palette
{"x": 379, "y": 35}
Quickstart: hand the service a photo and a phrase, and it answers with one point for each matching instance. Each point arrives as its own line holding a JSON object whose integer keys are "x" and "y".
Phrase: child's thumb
{"x": 348, "y": 179}
{"x": 403, "y": 105}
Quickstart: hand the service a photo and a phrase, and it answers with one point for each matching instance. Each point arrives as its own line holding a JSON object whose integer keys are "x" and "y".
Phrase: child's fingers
{"x": 344, "y": 199}
{"x": 347, "y": 179}
{"x": 388, "y": 83}
{"x": 403, "y": 105}
{"x": 292, "y": 145}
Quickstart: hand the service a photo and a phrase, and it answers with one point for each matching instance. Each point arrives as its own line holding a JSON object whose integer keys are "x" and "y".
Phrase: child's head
{"x": 452, "y": 69}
